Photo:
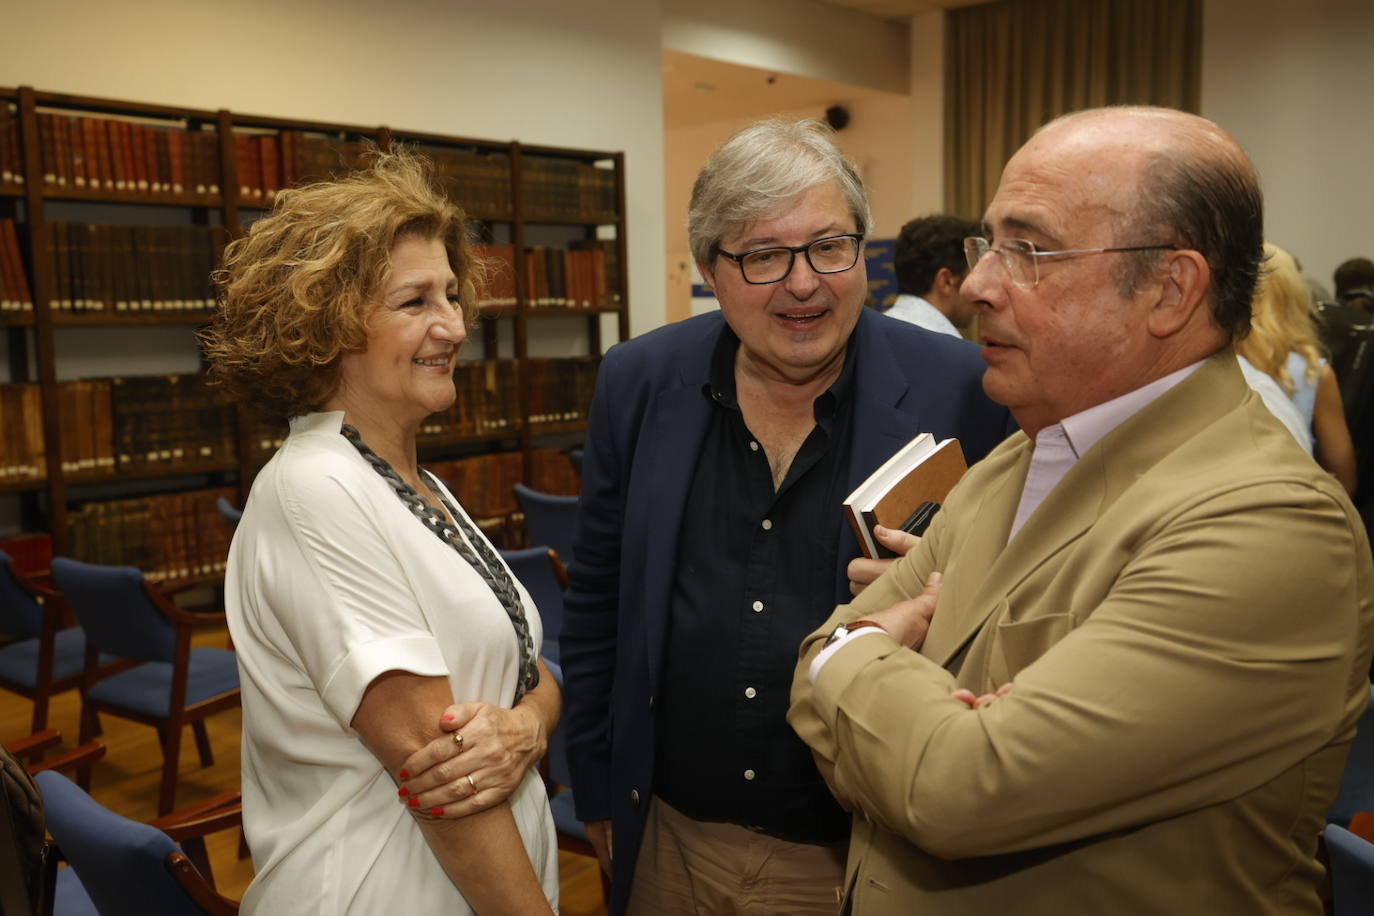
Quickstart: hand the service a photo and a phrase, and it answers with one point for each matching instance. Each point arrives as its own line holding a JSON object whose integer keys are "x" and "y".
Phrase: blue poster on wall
{"x": 882, "y": 278}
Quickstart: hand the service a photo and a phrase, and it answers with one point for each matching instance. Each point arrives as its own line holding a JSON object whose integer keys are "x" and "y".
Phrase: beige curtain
{"x": 1013, "y": 65}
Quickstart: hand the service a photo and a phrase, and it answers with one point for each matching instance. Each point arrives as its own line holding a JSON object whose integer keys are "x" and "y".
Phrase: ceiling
{"x": 699, "y": 90}
{"x": 900, "y": 10}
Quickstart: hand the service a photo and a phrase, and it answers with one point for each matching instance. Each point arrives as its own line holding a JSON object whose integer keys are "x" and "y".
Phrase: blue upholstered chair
{"x": 1352, "y": 871}
{"x": 1357, "y": 782}
{"x": 43, "y": 659}
{"x": 226, "y": 509}
{"x": 549, "y": 519}
{"x": 49, "y": 880}
{"x": 572, "y": 837}
{"x": 575, "y": 456}
{"x": 542, "y": 574}
{"x": 120, "y": 867}
{"x": 126, "y": 616}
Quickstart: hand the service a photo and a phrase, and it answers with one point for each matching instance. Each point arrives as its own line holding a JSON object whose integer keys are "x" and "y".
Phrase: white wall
{"x": 1294, "y": 84}
{"x": 809, "y": 39}
{"x": 804, "y": 37}
{"x": 582, "y": 74}
{"x": 927, "y": 91}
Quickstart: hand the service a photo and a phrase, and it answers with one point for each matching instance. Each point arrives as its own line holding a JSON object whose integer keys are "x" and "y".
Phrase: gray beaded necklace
{"x": 474, "y": 549}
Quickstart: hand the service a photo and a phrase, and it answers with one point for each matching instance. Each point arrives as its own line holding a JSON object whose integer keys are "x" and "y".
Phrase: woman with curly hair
{"x": 1283, "y": 344}
{"x": 362, "y": 600}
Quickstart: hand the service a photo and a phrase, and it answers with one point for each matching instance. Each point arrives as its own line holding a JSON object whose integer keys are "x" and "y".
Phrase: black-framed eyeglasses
{"x": 833, "y": 254}
{"x": 1022, "y": 259}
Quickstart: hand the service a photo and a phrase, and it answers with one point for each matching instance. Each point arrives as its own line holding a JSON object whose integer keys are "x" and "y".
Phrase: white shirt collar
{"x": 1087, "y": 427}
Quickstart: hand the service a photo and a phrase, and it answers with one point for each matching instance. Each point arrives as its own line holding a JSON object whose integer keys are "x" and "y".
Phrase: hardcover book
{"x": 905, "y": 492}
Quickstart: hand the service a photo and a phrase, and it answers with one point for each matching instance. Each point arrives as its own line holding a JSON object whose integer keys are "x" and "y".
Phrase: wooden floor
{"x": 126, "y": 781}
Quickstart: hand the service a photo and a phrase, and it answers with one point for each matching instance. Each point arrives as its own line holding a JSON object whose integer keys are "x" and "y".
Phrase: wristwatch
{"x": 844, "y": 629}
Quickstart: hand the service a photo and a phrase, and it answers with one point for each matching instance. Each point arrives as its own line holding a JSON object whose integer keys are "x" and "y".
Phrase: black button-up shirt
{"x": 755, "y": 574}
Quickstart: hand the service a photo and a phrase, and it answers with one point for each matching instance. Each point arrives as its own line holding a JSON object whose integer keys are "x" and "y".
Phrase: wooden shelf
{"x": 575, "y": 311}
{"x": 114, "y": 318}
{"x": 449, "y": 441}
{"x": 505, "y": 184}
{"x": 183, "y": 583}
{"x": 590, "y": 220}
{"x": 488, "y": 216}
{"x": 113, "y": 196}
{"x": 150, "y": 472}
{"x": 558, "y": 429}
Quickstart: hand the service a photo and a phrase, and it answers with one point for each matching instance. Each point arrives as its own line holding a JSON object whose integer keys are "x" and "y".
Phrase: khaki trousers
{"x": 696, "y": 868}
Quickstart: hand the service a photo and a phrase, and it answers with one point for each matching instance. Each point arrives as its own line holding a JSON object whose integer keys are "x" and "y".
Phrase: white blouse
{"x": 332, "y": 582}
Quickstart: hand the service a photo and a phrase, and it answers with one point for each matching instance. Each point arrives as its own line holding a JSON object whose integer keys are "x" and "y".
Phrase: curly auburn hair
{"x": 296, "y": 292}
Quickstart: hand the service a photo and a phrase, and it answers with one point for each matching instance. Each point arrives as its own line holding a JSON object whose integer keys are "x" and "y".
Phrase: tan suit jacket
{"x": 1187, "y": 622}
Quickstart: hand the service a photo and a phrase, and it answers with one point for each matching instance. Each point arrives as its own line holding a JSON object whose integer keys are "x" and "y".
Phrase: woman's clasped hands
{"x": 476, "y": 764}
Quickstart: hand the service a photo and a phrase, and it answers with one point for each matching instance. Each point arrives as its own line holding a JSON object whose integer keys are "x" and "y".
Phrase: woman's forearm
{"x": 1333, "y": 447}
{"x": 486, "y": 860}
{"x": 545, "y": 704}
{"x": 482, "y": 854}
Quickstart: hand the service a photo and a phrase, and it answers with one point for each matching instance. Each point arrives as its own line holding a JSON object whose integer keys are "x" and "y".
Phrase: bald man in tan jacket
{"x": 1181, "y": 601}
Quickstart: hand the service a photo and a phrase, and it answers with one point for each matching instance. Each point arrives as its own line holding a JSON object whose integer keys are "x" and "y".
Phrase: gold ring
{"x": 458, "y": 739}
{"x": 472, "y": 784}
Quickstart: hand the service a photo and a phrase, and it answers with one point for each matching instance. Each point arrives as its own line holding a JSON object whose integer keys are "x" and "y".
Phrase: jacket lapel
{"x": 880, "y": 427}
{"x": 993, "y": 511}
{"x": 1074, "y": 505}
{"x": 676, "y": 429}
{"x": 1067, "y": 512}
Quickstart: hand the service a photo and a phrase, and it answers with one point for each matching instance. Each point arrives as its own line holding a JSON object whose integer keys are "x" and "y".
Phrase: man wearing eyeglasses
{"x": 711, "y": 539}
{"x": 1152, "y": 612}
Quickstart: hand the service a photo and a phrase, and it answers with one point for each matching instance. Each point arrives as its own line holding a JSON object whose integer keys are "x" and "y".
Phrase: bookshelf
{"x": 112, "y": 215}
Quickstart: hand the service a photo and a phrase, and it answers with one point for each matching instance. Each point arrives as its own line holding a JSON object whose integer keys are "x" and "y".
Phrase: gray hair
{"x": 759, "y": 172}
{"x": 1209, "y": 200}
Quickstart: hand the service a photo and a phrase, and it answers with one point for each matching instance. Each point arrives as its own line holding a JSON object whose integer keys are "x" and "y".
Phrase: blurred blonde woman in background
{"x": 1283, "y": 344}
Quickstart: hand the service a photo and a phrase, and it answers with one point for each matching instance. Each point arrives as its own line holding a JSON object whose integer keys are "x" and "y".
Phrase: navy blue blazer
{"x": 648, "y": 420}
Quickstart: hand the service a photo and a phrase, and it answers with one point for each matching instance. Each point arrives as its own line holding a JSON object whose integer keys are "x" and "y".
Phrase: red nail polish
{"x": 403, "y": 792}
{"x": 437, "y": 812}
{"x": 446, "y": 718}
{"x": 414, "y": 802}
{"x": 404, "y": 774}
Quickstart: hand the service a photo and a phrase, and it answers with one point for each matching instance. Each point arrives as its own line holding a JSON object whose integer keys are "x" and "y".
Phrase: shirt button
{"x": 748, "y": 774}
{"x": 651, "y": 701}
{"x": 634, "y": 797}
{"x": 753, "y": 446}
{"x": 758, "y": 606}
{"x": 750, "y": 692}
{"x": 768, "y": 524}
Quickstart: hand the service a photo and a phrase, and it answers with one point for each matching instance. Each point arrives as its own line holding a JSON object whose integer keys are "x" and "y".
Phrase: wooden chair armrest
{"x": 158, "y": 595}
{"x": 39, "y": 586}
{"x": 77, "y": 757}
{"x": 218, "y": 813}
{"x": 560, "y": 571}
{"x": 205, "y": 618}
{"x": 195, "y": 884}
{"x": 221, "y": 800}
{"x": 35, "y": 744}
